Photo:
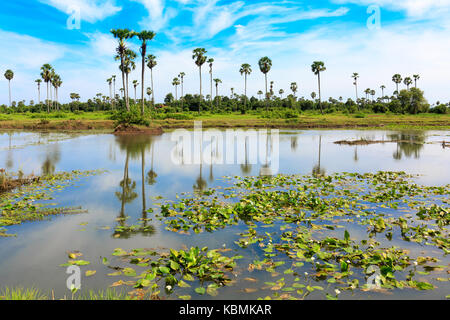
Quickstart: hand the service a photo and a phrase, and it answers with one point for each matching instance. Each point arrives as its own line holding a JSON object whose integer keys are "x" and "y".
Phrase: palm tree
{"x": 372, "y": 93}
{"x": 57, "y": 82}
{"x": 382, "y": 87}
{"x": 176, "y": 83}
{"x": 317, "y": 67}
{"x": 144, "y": 36}
{"x": 294, "y": 88}
{"x": 199, "y": 57}
{"x": 46, "y": 73}
{"x": 149, "y": 92}
{"x": 210, "y": 62}
{"x": 217, "y": 81}
{"x": 245, "y": 70}
{"x": 265, "y": 64}
{"x": 416, "y": 77}
{"x": 355, "y": 77}
{"x": 259, "y": 93}
{"x": 151, "y": 63}
{"x": 126, "y": 67}
{"x": 397, "y": 79}
{"x": 313, "y": 95}
{"x": 281, "y": 93}
{"x": 122, "y": 35}
{"x": 135, "y": 84}
{"x": 109, "y": 81}
{"x": 114, "y": 88}
{"x": 181, "y": 76}
{"x": 367, "y": 92}
{"x": 38, "y": 81}
{"x": 9, "y": 75}
{"x": 408, "y": 81}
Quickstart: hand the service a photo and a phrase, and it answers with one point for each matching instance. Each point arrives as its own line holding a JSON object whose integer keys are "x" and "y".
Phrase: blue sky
{"x": 413, "y": 37}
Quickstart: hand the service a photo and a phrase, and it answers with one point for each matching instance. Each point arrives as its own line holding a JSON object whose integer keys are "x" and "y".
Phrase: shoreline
{"x": 158, "y": 126}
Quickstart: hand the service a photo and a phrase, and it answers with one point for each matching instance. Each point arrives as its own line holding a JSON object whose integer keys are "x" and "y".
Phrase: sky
{"x": 376, "y": 38}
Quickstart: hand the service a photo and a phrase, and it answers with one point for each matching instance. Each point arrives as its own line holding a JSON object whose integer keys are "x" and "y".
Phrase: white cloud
{"x": 413, "y": 8}
{"x": 90, "y": 10}
{"x": 158, "y": 15}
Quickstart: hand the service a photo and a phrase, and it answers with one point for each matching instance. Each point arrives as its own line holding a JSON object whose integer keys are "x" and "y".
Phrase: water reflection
{"x": 409, "y": 144}
{"x": 135, "y": 148}
{"x": 317, "y": 169}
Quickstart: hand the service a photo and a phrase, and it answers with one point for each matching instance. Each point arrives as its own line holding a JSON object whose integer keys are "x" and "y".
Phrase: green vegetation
{"x": 31, "y": 202}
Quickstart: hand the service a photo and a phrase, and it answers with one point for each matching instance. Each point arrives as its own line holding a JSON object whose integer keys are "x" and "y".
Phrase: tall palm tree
{"x": 367, "y": 92}
{"x": 9, "y": 75}
{"x": 113, "y": 77}
{"x": 416, "y": 77}
{"x": 382, "y": 87}
{"x": 397, "y": 79}
{"x": 38, "y": 81}
{"x": 56, "y": 81}
{"x": 151, "y": 63}
{"x": 355, "y": 77}
{"x": 210, "y": 62}
{"x": 294, "y": 88}
{"x": 149, "y": 92}
{"x": 199, "y": 58}
{"x": 126, "y": 67}
{"x": 281, "y": 93}
{"x": 122, "y": 35}
{"x": 135, "y": 84}
{"x": 176, "y": 83}
{"x": 109, "y": 81}
{"x": 372, "y": 93}
{"x": 181, "y": 76}
{"x": 259, "y": 93}
{"x": 245, "y": 70}
{"x": 217, "y": 81}
{"x": 144, "y": 36}
{"x": 317, "y": 67}
{"x": 407, "y": 81}
{"x": 265, "y": 64}
{"x": 46, "y": 73}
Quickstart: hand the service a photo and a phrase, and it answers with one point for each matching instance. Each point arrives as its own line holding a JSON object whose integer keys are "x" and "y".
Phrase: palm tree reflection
{"x": 135, "y": 147}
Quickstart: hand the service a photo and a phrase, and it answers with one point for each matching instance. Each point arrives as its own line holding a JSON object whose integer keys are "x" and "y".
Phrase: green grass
{"x": 308, "y": 119}
{"x": 22, "y": 294}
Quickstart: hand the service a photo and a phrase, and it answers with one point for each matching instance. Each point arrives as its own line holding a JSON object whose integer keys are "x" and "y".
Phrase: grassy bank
{"x": 101, "y": 121}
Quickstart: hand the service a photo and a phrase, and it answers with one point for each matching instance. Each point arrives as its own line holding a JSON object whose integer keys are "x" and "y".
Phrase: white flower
{"x": 415, "y": 263}
{"x": 312, "y": 258}
{"x": 306, "y": 273}
{"x": 337, "y": 291}
{"x": 168, "y": 287}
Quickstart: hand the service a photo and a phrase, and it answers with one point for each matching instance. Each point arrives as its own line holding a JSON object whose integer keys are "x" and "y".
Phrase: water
{"x": 33, "y": 257}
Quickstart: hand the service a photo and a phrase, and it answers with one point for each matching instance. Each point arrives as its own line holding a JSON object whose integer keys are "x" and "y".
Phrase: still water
{"x": 32, "y": 258}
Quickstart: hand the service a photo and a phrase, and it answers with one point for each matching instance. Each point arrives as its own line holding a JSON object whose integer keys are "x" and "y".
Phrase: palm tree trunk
{"x": 48, "y": 101}
{"x": 200, "y": 98}
{"x": 320, "y": 97}
{"x": 142, "y": 84}
{"x": 210, "y": 98}
{"x": 126, "y": 92}
{"x": 182, "y": 94}
{"x": 114, "y": 92}
{"x": 9, "y": 85}
{"x": 245, "y": 93}
{"x": 39, "y": 94}
{"x": 123, "y": 82}
{"x": 265, "y": 75}
{"x": 153, "y": 90}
